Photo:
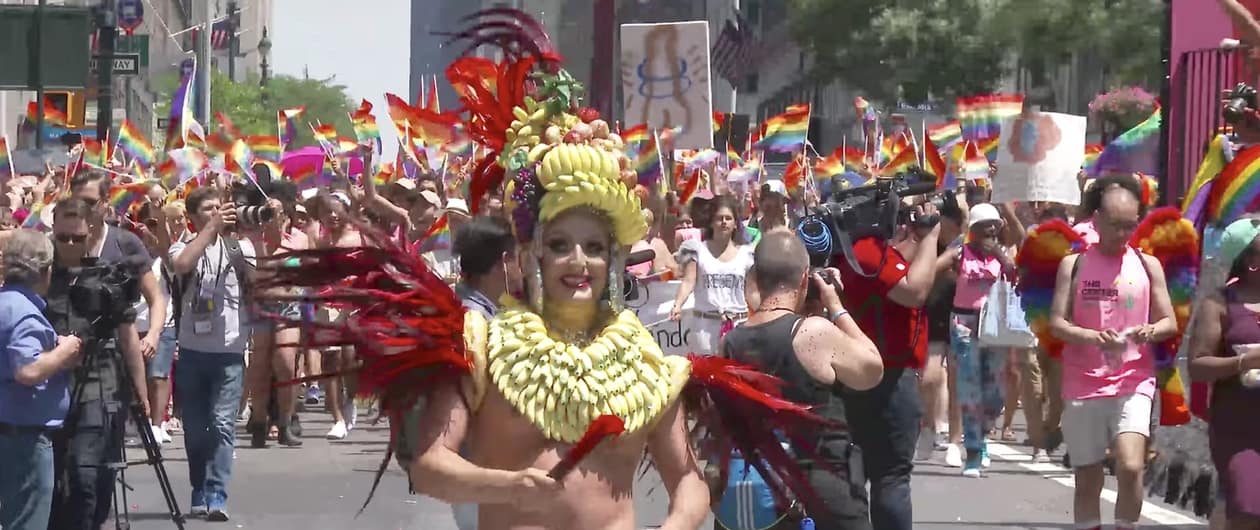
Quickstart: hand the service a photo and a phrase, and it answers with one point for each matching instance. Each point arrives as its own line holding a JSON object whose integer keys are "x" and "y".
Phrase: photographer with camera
{"x": 216, "y": 270}
{"x": 814, "y": 355}
{"x": 34, "y": 383}
{"x": 886, "y": 296}
{"x": 93, "y": 290}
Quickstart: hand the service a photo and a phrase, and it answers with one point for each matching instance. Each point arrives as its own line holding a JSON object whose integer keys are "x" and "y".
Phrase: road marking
{"x": 1063, "y": 476}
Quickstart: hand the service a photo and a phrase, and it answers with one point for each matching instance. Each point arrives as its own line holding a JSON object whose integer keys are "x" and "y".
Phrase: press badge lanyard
{"x": 203, "y": 304}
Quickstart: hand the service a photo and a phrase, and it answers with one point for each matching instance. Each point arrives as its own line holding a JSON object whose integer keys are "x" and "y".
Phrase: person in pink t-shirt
{"x": 1109, "y": 303}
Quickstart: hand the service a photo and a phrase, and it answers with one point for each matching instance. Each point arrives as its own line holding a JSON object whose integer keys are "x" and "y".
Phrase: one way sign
{"x": 124, "y": 63}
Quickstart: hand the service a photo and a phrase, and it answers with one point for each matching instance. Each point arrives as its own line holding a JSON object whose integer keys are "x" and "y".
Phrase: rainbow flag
{"x": 240, "y": 160}
{"x": 945, "y": 135}
{"x": 749, "y": 171}
{"x": 266, "y": 147}
{"x": 636, "y": 136}
{"x": 989, "y": 146}
{"x": 1091, "y": 154}
{"x": 181, "y": 165}
{"x": 385, "y": 175}
{"x": 1135, "y": 151}
{"x": 646, "y": 161}
{"x": 52, "y": 115}
{"x": 365, "y": 128}
{"x": 96, "y": 153}
{"x": 794, "y": 174}
{"x": 907, "y": 158}
{"x": 310, "y": 176}
{"x": 122, "y": 198}
{"x": 719, "y": 120}
{"x": 981, "y": 116}
{"x": 135, "y": 145}
{"x": 6, "y": 160}
{"x": 286, "y": 124}
{"x": 891, "y": 147}
{"x": 701, "y": 158}
{"x": 935, "y": 165}
{"x": 181, "y": 116}
{"x": 326, "y": 135}
{"x": 1236, "y": 190}
{"x": 787, "y": 132}
{"x": 732, "y": 156}
{"x": 854, "y": 159}
{"x": 975, "y": 166}
{"x": 433, "y": 127}
{"x": 829, "y": 166}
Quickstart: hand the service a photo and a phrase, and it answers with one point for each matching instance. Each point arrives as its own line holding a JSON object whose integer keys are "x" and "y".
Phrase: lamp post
{"x": 264, "y": 49}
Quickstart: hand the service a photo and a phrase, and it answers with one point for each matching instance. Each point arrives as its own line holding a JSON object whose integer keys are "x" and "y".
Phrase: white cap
{"x": 309, "y": 193}
{"x": 457, "y": 206}
{"x": 431, "y": 198}
{"x": 405, "y": 183}
{"x": 774, "y": 186}
{"x": 983, "y": 212}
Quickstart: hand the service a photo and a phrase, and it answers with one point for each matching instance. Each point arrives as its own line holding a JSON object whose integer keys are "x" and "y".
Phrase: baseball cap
{"x": 1237, "y": 237}
{"x": 981, "y": 213}
{"x": 457, "y": 206}
{"x": 432, "y": 198}
{"x": 774, "y": 186}
{"x": 406, "y": 184}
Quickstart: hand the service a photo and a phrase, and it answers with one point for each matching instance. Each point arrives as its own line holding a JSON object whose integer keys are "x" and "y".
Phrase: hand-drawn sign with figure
{"x": 1033, "y": 135}
{"x": 665, "y": 79}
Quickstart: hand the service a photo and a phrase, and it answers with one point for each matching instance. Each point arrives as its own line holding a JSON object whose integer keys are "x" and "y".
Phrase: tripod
{"x": 117, "y": 461}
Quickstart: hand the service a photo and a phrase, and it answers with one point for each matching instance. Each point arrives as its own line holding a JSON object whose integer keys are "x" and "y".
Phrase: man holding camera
{"x": 34, "y": 383}
{"x": 83, "y": 301}
{"x": 215, "y": 270}
{"x": 886, "y": 298}
{"x": 826, "y": 352}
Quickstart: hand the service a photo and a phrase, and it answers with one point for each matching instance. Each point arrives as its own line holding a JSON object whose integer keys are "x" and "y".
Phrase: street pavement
{"x": 322, "y": 484}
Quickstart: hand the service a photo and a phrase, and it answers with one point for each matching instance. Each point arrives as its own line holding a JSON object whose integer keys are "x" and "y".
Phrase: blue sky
{"x": 321, "y": 36}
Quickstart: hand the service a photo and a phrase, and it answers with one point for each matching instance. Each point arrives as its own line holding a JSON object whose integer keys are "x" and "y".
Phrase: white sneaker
{"x": 1040, "y": 456}
{"x": 160, "y": 435}
{"x": 953, "y": 456}
{"x": 338, "y": 431}
{"x": 971, "y": 472}
{"x": 350, "y": 411}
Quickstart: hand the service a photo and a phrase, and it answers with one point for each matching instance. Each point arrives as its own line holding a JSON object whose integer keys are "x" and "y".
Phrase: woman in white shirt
{"x": 718, "y": 265}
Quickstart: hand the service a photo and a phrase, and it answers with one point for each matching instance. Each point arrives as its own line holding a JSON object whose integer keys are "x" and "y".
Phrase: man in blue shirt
{"x": 34, "y": 381}
{"x": 486, "y": 252}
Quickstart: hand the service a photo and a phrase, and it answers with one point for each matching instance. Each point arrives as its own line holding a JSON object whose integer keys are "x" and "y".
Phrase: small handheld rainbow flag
{"x": 975, "y": 166}
{"x": 981, "y": 116}
{"x": 750, "y": 171}
{"x": 96, "y": 153}
{"x": 240, "y": 160}
{"x": 121, "y": 198}
{"x": 935, "y": 165}
{"x": 365, "y": 128}
{"x": 786, "y": 132}
{"x": 1091, "y": 154}
{"x": 906, "y": 159}
{"x": 286, "y": 124}
{"x": 945, "y": 135}
{"x": 135, "y": 145}
{"x": 719, "y": 120}
{"x": 180, "y": 166}
{"x": 636, "y": 136}
{"x": 326, "y": 135}
{"x": 6, "y": 160}
{"x": 646, "y": 161}
{"x": 266, "y": 147}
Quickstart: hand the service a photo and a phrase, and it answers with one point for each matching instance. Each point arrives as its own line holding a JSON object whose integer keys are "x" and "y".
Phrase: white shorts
{"x": 1090, "y": 425}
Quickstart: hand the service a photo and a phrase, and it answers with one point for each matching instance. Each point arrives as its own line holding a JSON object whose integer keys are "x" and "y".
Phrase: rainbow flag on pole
{"x": 365, "y": 129}
{"x": 6, "y": 160}
{"x": 787, "y": 132}
{"x": 981, "y": 116}
{"x": 286, "y": 124}
{"x": 135, "y": 145}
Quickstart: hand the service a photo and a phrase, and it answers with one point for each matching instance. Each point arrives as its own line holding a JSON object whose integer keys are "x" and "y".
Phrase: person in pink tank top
{"x": 1110, "y": 302}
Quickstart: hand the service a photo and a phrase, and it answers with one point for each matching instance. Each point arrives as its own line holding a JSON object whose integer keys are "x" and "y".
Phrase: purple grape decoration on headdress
{"x": 527, "y": 193}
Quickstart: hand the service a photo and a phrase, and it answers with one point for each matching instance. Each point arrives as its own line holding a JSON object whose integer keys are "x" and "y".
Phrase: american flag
{"x": 732, "y": 52}
{"x": 220, "y": 35}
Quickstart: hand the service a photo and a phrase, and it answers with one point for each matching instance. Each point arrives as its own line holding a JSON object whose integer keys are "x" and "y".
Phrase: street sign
{"x": 124, "y": 63}
{"x": 134, "y": 43}
{"x": 130, "y": 15}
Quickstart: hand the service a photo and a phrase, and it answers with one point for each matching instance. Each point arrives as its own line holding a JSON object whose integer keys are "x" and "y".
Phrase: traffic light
{"x": 69, "y": 102}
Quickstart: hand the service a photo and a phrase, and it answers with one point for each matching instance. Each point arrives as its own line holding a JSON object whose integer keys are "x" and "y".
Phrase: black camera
{"x": 251, "y": 206}
{"x": 811, "y": 290}
{"x": 1241, "y": 98}
{"x": 101, "y": 294}
{"x": 873, "y": 210}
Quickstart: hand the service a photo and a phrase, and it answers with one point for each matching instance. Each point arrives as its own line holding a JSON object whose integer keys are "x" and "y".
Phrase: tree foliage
{"x": 252, "y": 107}
{"x": 910, "y": 49}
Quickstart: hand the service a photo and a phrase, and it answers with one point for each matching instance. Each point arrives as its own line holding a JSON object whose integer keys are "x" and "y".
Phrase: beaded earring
{"x": 616, "y": 281}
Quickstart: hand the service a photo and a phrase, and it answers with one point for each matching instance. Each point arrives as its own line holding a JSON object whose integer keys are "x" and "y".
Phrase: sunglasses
{"x": 71, "y": 239}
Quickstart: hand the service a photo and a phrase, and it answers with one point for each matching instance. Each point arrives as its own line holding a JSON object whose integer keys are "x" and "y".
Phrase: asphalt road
{"x": 322, "y": 485}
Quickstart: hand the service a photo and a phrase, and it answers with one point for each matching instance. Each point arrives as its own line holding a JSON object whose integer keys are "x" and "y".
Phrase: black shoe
{"x": 1054, "y": 440}
{"x": 287, "y": 438}
{"x": 295, "y": 426}
{"x": 217, "y": 515}
{"x": 257, "y": 434}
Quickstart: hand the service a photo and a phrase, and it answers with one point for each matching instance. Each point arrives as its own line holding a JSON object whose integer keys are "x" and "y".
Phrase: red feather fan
{"x": 600, "y": 429}
{"x": 406, "y": 324}
{"x": 751, "y": 416}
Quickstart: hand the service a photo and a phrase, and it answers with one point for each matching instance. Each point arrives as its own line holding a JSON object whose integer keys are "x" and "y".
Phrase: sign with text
{"x": 124, "y": 63}
{"x": 652, "y": 307}
{"x": 665, "y": 79}
{"x": 1039, "y": 157}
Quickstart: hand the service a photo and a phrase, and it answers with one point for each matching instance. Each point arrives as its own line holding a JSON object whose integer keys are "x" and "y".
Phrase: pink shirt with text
{"x": 1109, "y": 292}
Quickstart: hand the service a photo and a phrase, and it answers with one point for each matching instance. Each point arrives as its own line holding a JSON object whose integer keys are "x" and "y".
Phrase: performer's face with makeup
{"x": 576, "y": 247}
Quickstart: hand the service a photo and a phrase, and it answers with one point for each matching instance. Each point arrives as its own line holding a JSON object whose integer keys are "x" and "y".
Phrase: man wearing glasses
{"x": 93, "y": 435}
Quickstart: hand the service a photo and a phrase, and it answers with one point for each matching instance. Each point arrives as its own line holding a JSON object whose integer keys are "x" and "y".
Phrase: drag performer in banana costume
{"x": 518, "y": 410}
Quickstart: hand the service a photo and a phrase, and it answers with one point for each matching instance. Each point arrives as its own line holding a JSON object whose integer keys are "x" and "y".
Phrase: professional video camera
{"x": 251, "y": 205}
{"x": 1241, "y": 98}
{"x": 873, "y": 210}
{"x": 99, "y": 294}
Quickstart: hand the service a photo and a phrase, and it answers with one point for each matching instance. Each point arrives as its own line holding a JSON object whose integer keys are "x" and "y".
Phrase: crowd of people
{"x": 238, "y": 284}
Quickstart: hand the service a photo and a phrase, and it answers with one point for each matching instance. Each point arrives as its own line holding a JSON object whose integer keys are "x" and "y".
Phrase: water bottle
{"x": 807, "y": 524}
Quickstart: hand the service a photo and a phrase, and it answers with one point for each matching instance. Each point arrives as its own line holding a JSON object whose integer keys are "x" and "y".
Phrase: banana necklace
{"x": 561, "y": 386}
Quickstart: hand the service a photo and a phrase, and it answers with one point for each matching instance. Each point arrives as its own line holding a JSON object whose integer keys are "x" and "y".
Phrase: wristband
{"x": 839, "y": 314}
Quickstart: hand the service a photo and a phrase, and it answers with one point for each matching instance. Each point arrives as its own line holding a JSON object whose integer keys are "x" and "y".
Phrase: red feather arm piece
{"x": 405, "y": 323}
{"x": 737, "y": 407}
{"x": 602, "y": 428}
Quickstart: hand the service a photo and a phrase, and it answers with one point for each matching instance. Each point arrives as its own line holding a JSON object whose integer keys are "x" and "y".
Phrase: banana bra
{"x": 561, "y": 387}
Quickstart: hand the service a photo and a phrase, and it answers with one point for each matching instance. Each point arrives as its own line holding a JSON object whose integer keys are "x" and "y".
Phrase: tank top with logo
{"x": 1109, "y": 292}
